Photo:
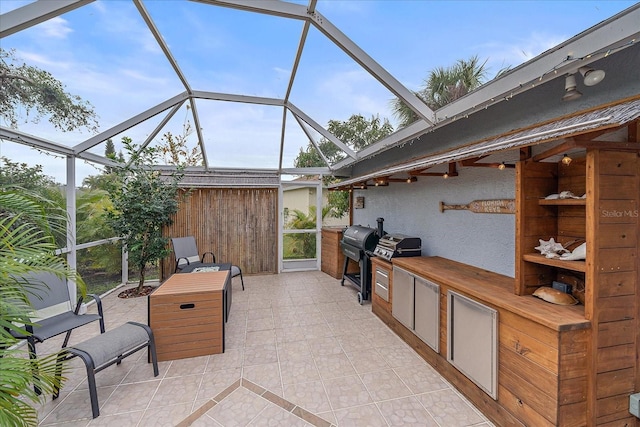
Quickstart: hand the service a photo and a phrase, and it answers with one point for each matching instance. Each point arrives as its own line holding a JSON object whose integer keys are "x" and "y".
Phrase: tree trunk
{"x": 141, "y": 282}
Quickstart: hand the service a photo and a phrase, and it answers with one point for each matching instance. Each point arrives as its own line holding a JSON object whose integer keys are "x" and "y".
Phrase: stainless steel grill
{"x": 398, "y": 245}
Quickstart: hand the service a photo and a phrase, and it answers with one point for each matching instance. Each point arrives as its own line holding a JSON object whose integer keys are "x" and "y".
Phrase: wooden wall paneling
{"x": 612, "y": 287}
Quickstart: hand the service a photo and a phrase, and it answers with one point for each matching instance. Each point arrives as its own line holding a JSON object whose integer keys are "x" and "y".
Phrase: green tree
{"x": 175, "y": 151}
{"x": 51, "y": 194}
{"x": 357, "y": 132}
{"x": 41, "y": 95}
{"x": 144, "y": 202}
{"x": 445, "y": 85}
{"x": 27, "y": 245}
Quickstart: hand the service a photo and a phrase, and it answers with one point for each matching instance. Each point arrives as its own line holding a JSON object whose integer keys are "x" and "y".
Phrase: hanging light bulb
{"x": 446, "y": 175}
{"x": 566, "y": 160}
{"x": 501, "y": 166}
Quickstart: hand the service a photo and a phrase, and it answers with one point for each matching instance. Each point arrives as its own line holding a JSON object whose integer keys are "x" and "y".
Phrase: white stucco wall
{"x": 479, "y": 239}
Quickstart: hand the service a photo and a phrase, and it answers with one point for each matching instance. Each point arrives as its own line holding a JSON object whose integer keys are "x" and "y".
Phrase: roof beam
{"x": 376, "y": 70}
{"x": 269, "y": 7}
{"x": 127, "y": 124}
{"x": 163, "y": 45}
{"x": 33, "y": 141}
{"x": 35, "y": 13}
{"x": 313, "y": 141}
{"x": 247, "y": 99}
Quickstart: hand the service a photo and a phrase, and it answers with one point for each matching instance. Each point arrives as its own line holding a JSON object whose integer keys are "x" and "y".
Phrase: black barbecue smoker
{"x": 358, "y": 243}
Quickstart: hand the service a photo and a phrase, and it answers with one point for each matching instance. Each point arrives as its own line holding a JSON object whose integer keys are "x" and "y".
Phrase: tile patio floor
{"x": 300, "y": 351}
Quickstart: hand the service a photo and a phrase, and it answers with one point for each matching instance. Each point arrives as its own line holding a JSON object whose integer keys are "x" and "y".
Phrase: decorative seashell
{"x": 554, "y": 296}
{"x": 552, "y": 197}
{"x": 578, "y": 253}
{"x": 550, "y": 248}
{"x": 567, "y": 195}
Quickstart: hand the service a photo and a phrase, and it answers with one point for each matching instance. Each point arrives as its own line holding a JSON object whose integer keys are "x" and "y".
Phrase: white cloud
{"x": 55, "y": 28}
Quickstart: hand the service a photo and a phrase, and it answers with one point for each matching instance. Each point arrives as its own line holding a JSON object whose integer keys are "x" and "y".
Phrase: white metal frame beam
{"x": 163, "y": 45}
{"x": 127, "y": 124}
{"x": 33, "y": 141}
{"x": 36, "y": 13}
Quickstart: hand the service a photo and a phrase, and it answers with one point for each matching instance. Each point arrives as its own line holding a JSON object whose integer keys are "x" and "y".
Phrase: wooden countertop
{"x": 496, "y": 290}
{"x": 186, "y": 283}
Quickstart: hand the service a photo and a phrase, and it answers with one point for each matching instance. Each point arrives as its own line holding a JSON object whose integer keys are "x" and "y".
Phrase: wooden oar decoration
{"x": 500, "y": 206}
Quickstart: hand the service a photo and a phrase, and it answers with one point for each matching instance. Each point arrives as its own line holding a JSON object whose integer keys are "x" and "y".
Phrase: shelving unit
{"x": 608, "y": 222}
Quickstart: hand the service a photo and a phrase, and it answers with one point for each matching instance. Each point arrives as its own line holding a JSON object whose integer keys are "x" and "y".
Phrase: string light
{"x": 501, "y": 166}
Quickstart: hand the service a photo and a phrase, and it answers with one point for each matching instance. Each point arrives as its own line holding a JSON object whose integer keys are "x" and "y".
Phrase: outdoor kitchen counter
{"x": 496, "y": 290}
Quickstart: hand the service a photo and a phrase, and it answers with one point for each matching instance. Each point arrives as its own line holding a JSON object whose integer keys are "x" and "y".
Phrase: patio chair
{"x": 186, "y": 252}
{"x": 54, "y": 312}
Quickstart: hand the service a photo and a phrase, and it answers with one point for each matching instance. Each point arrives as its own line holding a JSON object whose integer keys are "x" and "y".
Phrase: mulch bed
{"x": 133, "y": 292}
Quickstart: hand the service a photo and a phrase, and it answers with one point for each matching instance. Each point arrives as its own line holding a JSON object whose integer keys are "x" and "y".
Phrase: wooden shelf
{"x": 563, "y": 202}
{"x": 553, "y": 262}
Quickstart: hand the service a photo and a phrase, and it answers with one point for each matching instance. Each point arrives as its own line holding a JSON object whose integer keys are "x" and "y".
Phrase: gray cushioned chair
{"x": 186, "y": 252}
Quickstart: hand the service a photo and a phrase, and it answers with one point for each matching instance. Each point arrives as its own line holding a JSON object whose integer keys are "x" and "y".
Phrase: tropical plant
{"x": 302, "y": 245}
{"x": 143, "y": 202}
{"x": 40, "y": 94}
{"x": 444, "y": 85}
{"x": 27, "y": 244}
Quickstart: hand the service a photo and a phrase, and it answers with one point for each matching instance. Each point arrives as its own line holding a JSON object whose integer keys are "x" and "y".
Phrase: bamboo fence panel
{"x": 239, "y": 225}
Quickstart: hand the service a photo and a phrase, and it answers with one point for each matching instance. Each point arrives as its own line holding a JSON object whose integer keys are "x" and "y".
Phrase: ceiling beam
{"x": 127, "y": 124}
{"x": 283, "y": 9}
{"x": 33, "y": 141}
{"x": 163, "y": 45}
{"x": 375, "y": 70}
{"x": 36, "y": 13}
{"x": 246, "y": 99}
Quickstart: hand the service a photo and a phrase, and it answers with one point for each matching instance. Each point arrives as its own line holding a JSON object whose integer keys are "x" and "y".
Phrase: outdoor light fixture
{"x": 566, "y": 160}
{"x": 381, "y": 182}
{"x": 412, "y": 179}
{"x": 591, "y": 77}
{"x": 446, "y": 175}
{"x": 570, "y": 90}
{"x": 501, "y": 166}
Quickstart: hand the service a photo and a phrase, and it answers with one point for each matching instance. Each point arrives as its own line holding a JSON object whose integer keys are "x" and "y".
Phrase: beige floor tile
{"x": 334, "y": 365}
{"x": 384, "y": 385}
{"x": 260, "y": 354}
{"x": 294, "y": 350}
{"x": 360, "y": 416}
{"x": 231, "y": 358}
{"x": 165, "y": 416}
{"x": 176, "y": 390}
{"x": 346, "y": 392}
{"x": 274, "y": 416}
{"x": 215, "y": 382}
{"x": 298, "y": 371}
{"x": 406, "y": 411}
{"x": 190, "y": 366}
{"x": 239, "y": 408}
{"x": 311, "y": 396}
{"x": 421, "y": 379}
{"x": 267, "y": 375}
{"x": 449, "y": 409}
{"x": 301, "y": 336}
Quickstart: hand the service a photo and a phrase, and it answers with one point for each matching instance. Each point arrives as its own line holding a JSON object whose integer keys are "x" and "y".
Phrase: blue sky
{"x": 104, "y": 53}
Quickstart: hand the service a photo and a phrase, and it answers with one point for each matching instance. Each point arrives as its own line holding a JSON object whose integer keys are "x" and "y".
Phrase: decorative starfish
{"x": 550, "y": 248}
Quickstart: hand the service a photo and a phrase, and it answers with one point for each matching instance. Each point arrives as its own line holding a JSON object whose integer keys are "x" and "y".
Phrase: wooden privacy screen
{"x": 239, "y": 226}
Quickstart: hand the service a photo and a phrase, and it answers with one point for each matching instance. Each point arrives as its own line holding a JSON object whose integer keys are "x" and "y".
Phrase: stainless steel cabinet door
{"x": 402, "y": 305}
{"x": 427, "y": 312}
